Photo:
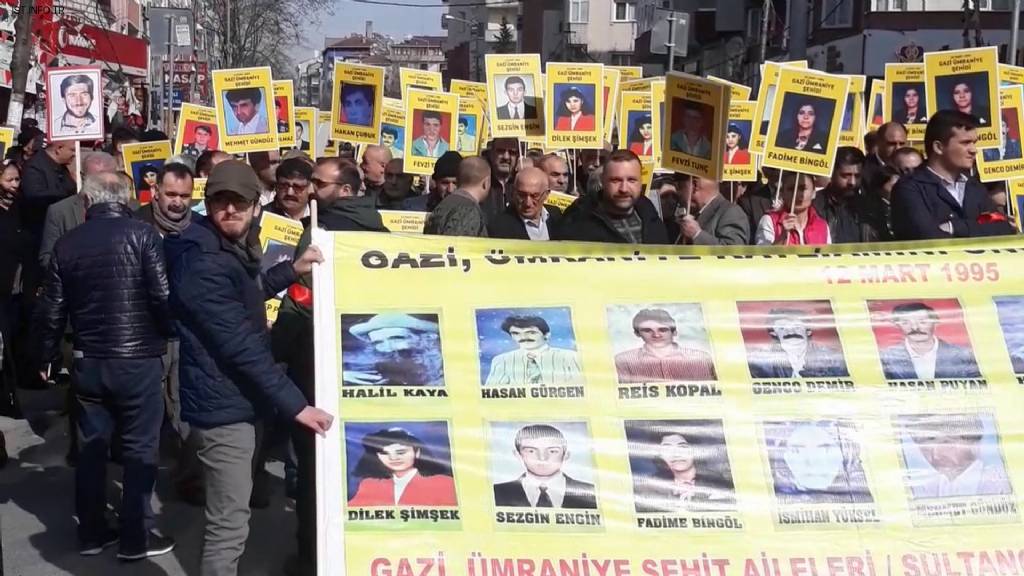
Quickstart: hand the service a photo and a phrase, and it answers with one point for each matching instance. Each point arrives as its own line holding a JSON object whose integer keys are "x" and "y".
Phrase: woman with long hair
{"x": 816, "y": 462}
{"x": 641, "y": 139}
{"x": 913, "y": 109}
{"x": 397, "y": 469}
{"x": 805, "y": 134}
{"x": 574, "y": 113}
{"x": 736, "y": 146}
{"x": 690, "y": 472}
{"x": 963, "y": 101}
{"x": 147, "y": 175}
{"x": 795, "y": 222}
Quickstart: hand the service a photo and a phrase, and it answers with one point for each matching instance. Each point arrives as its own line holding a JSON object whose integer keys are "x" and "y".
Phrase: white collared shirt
{"x": 555, "y": 487}
{"x": 938, "y": 485}
{"x": 256, "y": 125}
{"x": 401, "y": 482}
{"x": 538, "y": 231}
{"x": 924, "y": 364}
{"x": 516, "y": 110}
{"x": 797, "y": 360}
{"x": 956, "y": 189}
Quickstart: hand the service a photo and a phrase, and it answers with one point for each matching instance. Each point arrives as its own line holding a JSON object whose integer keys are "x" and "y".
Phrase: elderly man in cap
{"x": 406, "y": 350}
{"x": 229, "y": 380}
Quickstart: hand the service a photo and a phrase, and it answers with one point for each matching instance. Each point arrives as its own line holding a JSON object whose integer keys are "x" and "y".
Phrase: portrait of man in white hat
{"x": 392, "y": 349}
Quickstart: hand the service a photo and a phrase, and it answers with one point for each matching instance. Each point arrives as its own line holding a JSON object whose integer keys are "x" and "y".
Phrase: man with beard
{"x": 922, "y": 355}
{"x": 792, "y": 354}
{"x": 535, "y": 362}
{"x": 407, "y": 350}
{"x": 78, "y": 93}
{"x": 291, "y": 198}
{"x": 839, "y": 201}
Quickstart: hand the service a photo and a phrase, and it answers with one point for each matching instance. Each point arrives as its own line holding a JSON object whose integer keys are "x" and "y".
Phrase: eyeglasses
{"x": 321, "y": 184}
{"x": 285, "y": 186}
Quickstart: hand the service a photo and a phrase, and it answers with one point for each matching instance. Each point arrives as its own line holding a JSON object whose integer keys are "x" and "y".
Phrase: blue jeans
{"x": 123, "y": 394}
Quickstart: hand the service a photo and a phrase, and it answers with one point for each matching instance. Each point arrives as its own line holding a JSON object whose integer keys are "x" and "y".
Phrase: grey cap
{"x": 234, "y": 176}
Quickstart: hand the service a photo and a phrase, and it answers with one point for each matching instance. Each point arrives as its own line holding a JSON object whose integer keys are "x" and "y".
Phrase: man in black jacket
{"x": 229, "y": 380}
{"x": 47, "y": 180}
{"x": 109, "y": 276}
{"x": 526, "y": 218}
{"x": 939, "y": 200}
{"x": 838, "y": 202}
{"x": 619, "y": 213}
{"x": 339, "y": 208}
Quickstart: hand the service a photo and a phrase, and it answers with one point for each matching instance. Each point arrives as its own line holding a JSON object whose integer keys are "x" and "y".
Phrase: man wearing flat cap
{"x": 228, "y": 378}
{"x": 406, "y": 352}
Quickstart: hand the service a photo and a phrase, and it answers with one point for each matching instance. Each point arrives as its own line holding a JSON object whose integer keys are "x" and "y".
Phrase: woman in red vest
{"x": 794, "y": 222}
{"x": 398, "y": 470}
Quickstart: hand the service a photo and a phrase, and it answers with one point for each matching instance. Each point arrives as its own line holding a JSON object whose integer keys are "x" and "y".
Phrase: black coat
{"x": 578, "y": 495}
{"x": 817, "y": 142}
{"x": 921, "y": 204}
{"x": 585, "y": 221}
{"x": 15, "y": 251}
{"x": 44, "y": 182}
{"x": 109, "y": 275}
{"x": 509, "y": 225}
{"x": 227, "y": 373}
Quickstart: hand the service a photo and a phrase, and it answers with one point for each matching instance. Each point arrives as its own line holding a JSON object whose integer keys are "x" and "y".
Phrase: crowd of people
{"x": 157, "y": 315}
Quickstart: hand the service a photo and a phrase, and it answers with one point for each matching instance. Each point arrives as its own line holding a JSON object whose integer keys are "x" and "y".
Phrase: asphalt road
{"x": 37, "y": 527}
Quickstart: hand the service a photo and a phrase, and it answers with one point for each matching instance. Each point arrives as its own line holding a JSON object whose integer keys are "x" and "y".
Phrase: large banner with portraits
{"x": 838, "y": 412}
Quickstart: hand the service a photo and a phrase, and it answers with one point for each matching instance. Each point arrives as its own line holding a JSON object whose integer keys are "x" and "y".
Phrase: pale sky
{"x": 350, "y": 17}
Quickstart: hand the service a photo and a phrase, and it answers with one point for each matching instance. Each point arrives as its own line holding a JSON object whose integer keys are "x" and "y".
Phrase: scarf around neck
{"x": 168, "y": 225}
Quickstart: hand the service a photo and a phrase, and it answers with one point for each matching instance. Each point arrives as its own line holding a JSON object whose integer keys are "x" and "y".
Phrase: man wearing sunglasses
{"x": 292, "y": 189}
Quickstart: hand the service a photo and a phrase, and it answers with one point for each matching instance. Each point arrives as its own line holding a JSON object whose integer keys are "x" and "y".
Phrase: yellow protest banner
{"x": 420, "y": 80}
{"x": 636, "y": 126}
{"x": 575, "y": 96}
{"x": 738, "y": 164}
{"x": 324, "y": 139}
{"x": 1005, "y": 161}
{"x": 6, "y": 139}
{"x": 1009, "y": 74}
{"x": 284, "y": 109}
{"x": 848, "y": 459}
{"x": 697, "y": 110}
{"x": 404, "y": 221}
{"x": 278, "y": 237}
{"x": 305, "y": 128}
{"x": 244, "y": 109}
{"x": 738, "y": 91}
{"x": 470, "y": 123}
{"x": 805, "y": 121}
{"x": 627, "y": 73}
{"x": 766, "y": 100}
{"x": 851, "y": 133}
{"x": 906, "y": 98}
{"x": 967, "y": 81}
{"x": 658, "y": 116}
{"x": 611, "y": 100}
{"x": 196, "y": 131}
{"x": 876, "y": 106}
{"x": 358, "y": 96}
{"x": 143, "y": 161}
{"x": 392, "y": 129}
{"x": 467, "y": 89}
{"x": 514, "y": 95}
{"x": 198, "y": 189}
{"x": 560, "y": 200}
{"x": 430, "y": 128}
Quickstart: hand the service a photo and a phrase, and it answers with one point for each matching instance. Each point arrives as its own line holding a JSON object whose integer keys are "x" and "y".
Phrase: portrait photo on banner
{"x": 144, "y": 175}
{"x": 281, "y": 112}
{"x": 692, "y": 123}
{"x": 679, "y": 466}
{"x": 302, "y": 134}
{"x": 1011, "y": 318}
{"x": 198, "y": 137}
{"x": 922, "y": 339}
{"x": 516, "y": 96}
{"x": 391, "y": 349}
{"x": 908, "y": 103}
{"x": 805, "y": 123}
{"x": 467, "y": 133}
{"x": 527, "y": 347}
{"x": 791, "y": 339}
{"x": 816, "y": 462}
{"x": 245, "y": 112}
{"x": 967, "y": 93}
{"x": 951, "y": 456}
{"x": 274, "y": 253}
{"x": 74, "y": 107}
{"x": 660, "y": 343}
{"x": 399, "y": 464}
{"x": 357, "y": 102}
{"x": 392, "y": 137}
{"x": 849, "y": 109}
{"x": 430, "y": 128}
{"x": 737, "y": 142}
{"x": 572, "y": 107}
{"x": 1010, "y": 127}
{"x": 542, "y": 465}
{"x": 641, "y": 132}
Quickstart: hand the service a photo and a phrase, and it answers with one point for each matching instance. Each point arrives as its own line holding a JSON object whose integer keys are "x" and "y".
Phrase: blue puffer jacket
{"x": 217, "y": 299}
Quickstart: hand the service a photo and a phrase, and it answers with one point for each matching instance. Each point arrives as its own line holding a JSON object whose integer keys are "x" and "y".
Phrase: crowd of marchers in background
{"x": 155, "y": 314}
